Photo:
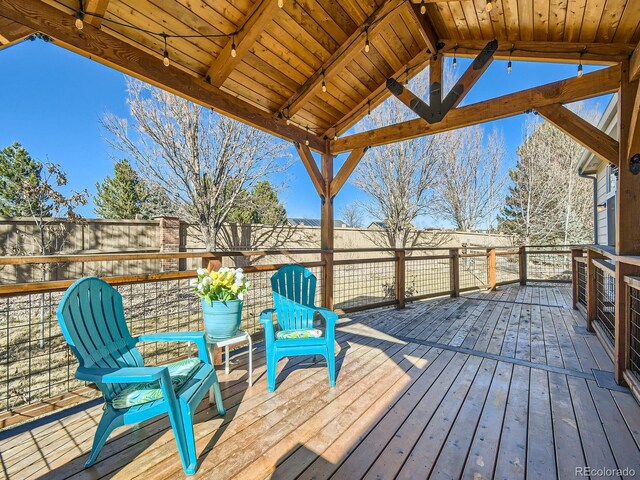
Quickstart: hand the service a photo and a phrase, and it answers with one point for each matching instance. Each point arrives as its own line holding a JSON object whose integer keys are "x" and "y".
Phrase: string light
{"x": 366, "y": 41}
{"x": 455, "y": 60}
{"x": 79, "y": 17}
{"x": 233, "y": 46}
{"x": 369, "y": 107}
{"x": 510, "y": 53}
{"x": 580, "y": 72}
{"x": 423, "y": 7}
{"x": 324, "y": 84}
{"x": 306, "y": 142}
{"x": 489, "y": 5}
{"x": 165, "y": 54}
{"x": 280, "y": 3}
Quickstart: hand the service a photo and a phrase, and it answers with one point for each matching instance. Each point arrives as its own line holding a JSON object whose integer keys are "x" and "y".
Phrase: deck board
{"x": 488, "y": 385}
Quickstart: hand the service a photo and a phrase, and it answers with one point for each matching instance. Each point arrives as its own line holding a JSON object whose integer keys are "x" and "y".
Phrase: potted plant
{"x": 222, "y": 294}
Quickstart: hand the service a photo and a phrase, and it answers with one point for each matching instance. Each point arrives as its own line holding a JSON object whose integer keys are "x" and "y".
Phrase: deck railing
{"x": 607, "y": 290}
{"x": 36, "y": 364}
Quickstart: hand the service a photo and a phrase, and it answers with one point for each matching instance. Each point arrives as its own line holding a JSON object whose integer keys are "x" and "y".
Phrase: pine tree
{"x": 121, "y": 196}
{"x": 260, "y": 205}
{"x": 19, "y": 173}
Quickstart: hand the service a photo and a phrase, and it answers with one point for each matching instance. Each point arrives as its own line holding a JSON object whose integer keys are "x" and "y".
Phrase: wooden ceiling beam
{"x": 12, "y": 32}
{"x": 634, "y": 64}
{"x": 587, "y": 135}
{"x": 340, "y": 58}
{"x": 115, "y": 53}
{"x": 589, "y": 85}
{"x": 379, "y": 95}
{"x": 259, "y": 17}
{"x": 312, "y": 167}
{"x": 94, "y": 11}
{"x": 427, "y": 30}
{"x": 561, "y": 52}
{"x": 346, "y": 170}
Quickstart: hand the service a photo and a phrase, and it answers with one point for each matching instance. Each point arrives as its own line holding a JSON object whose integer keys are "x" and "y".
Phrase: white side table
{"x": 241, "y": 337}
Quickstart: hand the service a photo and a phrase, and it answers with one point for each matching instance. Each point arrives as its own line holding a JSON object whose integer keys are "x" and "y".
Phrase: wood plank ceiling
{"x": 284, "y": 54}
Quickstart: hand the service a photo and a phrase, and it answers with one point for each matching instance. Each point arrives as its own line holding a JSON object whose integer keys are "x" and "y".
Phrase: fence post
{"x": 491, "y": 268}
{"x": 575, "y": 253}
{"x": 522, "y": 258}
{"x": 400, "y": 277}
{"x": 213, "y": 263}
{"x": 454, "y": 268}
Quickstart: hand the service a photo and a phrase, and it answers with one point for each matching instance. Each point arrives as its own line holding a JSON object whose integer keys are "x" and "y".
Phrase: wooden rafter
{"x": 94, "y": 11}
{"x": 105, "y": 48}
{"x": 12, "y": 32}
{"x": 564, "y": 52}
{"x": 341, "y": 57}
{"x": 590, "y": 137}
{"x": 439, "y": 107}
{"x": 346, "y": 170}
{"x": 589, "y": 85}
{"x": 426, "y": 27}
{"x": 634, "y": 64}
{"x": 379, "y": 95}
{"x": 261, "y": 15}
{"x": 312, "y": 168}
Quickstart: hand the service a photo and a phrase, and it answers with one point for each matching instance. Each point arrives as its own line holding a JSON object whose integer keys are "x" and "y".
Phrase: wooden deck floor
{"x": 490, "y": 385}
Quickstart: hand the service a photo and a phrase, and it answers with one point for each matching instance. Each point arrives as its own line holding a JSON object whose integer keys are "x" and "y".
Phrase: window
{"x": 612, "y": 178}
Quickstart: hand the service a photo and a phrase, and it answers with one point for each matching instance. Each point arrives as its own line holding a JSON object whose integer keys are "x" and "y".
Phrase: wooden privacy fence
{"x": 606, "y": 289}
{"x": 37, "y": 365}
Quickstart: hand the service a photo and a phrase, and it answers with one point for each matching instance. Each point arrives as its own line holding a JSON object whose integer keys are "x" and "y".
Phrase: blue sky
{"x": 51, "y": 101}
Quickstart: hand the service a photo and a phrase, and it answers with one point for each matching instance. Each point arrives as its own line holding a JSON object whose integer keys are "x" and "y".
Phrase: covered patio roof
{"x": 266, "y": 62}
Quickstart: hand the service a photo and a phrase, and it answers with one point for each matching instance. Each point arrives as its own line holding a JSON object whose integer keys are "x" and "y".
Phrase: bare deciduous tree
{"x": 352, "y": 215}
{"x": 200, "y": 159}
{"x": 469, "y": 188}
{"x": 398, "y": 177}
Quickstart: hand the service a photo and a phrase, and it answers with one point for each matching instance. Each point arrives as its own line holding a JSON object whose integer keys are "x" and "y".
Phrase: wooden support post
{"x": 326, "y": 232}
{"x": 575, "y": 253}
{"x": 627, "y": 207}
{"x": 522, "y": 264}
{"x": 454, "y": 269}
{"x": 213, "y": 264}
{"x": 591, "y": 287}
{"x": 400, "y": 277}
{"x": 491, "y": 268}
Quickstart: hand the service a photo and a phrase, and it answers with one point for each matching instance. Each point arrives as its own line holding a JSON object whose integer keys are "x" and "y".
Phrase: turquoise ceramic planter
{"x": 222, "y": 319}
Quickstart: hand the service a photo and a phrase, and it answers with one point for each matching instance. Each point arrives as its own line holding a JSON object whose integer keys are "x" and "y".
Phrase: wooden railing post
{"x": 522, "y": 264}
{"x": 491, "y": 268}
{"x": 400, "y": 277}
{"x": 622, "y": 338}
{"x": 575, "y": 253}
{"x": 591, "y": 287}
{"x": 213, "y": 264}
{"x": 454, "y": 269}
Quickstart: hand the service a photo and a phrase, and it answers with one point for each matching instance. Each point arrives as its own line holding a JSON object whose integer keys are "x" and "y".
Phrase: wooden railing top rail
{"x": 604, "y": 265}
{"x": 107, "y": 257}
{"x": 633, "y": 282}
{"x": 610, "y": 253}
{"x": 60, "y": 285}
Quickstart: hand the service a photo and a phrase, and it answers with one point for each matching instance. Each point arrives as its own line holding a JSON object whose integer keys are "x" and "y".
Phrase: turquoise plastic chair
{"x": 92, "y": 320}
{"x": 294, "y": 289}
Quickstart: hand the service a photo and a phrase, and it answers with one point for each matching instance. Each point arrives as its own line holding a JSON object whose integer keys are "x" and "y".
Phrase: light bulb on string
{"x": 366, "y": 40}
{"x": 455, "y": 60}
{"x": 324, "y": 84}
{"x": 489, "y": 5}
{"x": 580, "y": 71}
{"x": 510, "y": 53}
{"x": 280, "y": 3}
{"x": 165, "y": 54}
{"x": 79, "y": 23}
{"x": 423, "y": 7}
{"x": 306, "y": 142}
{"x": 233, "y": 46}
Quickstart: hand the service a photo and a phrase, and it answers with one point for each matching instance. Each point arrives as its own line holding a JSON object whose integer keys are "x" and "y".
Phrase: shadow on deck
{"x": 489, "y": 385}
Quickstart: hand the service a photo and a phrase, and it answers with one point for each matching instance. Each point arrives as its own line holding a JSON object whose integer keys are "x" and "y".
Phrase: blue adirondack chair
{"x": 294, "y": 289}
{"x": 92, "y": 320}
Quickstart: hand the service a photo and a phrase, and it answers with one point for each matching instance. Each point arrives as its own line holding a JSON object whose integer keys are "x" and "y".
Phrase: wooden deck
{"x": 490, "y": 385}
